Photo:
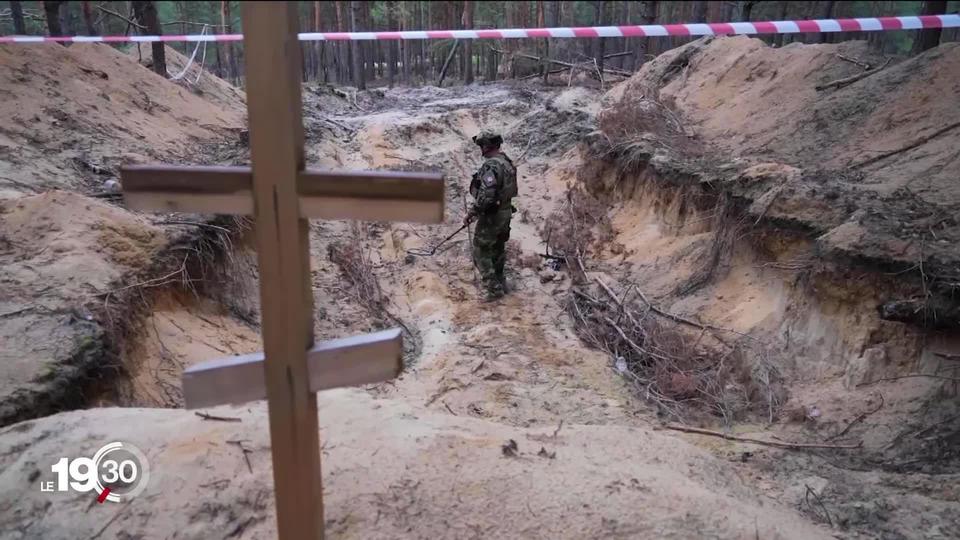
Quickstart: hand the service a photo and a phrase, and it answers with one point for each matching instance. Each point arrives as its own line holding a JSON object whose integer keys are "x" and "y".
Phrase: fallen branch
{"x": 552, "y": 72}
{"x": 860, "y": 63}
{"x": 840, "y": 83}
{"x": 911, "y": 146}
{"x": 927, "y": 429}
{"x": 191, "y": 23}
{"x": 911, "y": 376}
{"x": 121, "y": 17}
{"x": 629, "y": 341}
{"x": 819, "y": 501}
{"x": 339, "y": 124}
{"x": 777, "y": 444}
{"x": 857, "y": 420}
{"x": 448, "y": 407}
{"x": 446, "y": 63}
{"x": 244, "y": 451}
{"x": 206, "y": 416}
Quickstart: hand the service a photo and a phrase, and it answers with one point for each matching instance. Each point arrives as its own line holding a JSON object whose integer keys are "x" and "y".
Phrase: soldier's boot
{"x": 493, "y": 294}
{"x": 502, "y": 280}
{"x": 500, "y": 259}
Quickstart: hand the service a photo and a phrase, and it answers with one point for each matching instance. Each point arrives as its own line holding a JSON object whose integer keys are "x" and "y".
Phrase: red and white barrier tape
{"x": 650, "y": 30}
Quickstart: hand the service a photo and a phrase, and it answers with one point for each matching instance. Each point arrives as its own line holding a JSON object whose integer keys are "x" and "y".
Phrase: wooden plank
{"x": 189, "y": 203}
{"x": 352, "y": 361}
{"x": 372, "y": 195}
{"x": 191, "y": 189}
{"x": 371, "y": 209}
{"x": 325, "y": 194}
{"x": 186, "y": 179}
{"x": 272, "y": 55}
{"x": 356, "y": 360}
{"x": 408, "y": 186}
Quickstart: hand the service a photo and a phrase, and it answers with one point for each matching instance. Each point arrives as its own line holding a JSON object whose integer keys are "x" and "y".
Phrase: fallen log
{"x": 840, "y": 83}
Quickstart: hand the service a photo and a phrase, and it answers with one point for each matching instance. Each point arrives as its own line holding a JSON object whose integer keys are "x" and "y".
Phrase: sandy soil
{"x": 423, "y": 456}
{"x": 75, "y": 115}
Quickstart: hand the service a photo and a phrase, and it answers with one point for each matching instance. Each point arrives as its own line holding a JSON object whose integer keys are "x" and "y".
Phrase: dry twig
{"x": 860, "y": 63}
{"x": 911, "y": 376}
{"x": 857, "y": 420}
{"x": 127, "y": 20}
{"x": 840, "y": 83}
{"x": 206, "y": 416}
{"x": 911, "y": 146}
{"x": 819, "y": 501}
{"x": 777, "y": 444}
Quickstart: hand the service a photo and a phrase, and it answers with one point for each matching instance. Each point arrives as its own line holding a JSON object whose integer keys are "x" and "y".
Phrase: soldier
{"x": 493, "y": 188}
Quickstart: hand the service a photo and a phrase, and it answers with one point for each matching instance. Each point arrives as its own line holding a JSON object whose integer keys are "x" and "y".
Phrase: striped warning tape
{"x": 874, "y": 24}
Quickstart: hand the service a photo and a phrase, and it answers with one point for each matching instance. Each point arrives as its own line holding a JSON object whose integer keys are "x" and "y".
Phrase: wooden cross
{"x": 282, "y": 194}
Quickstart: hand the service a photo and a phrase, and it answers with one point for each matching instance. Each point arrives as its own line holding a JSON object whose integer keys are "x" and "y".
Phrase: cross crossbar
{"x": 324, "y": 194}
{"x": 352, "y": 361}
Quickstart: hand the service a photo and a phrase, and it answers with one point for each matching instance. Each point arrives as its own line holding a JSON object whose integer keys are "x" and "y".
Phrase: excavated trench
{"x": 810, "y": 323}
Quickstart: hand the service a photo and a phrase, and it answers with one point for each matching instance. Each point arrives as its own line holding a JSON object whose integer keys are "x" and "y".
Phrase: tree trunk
{"x": 87, "y": 18}
{"x": 544, "y": 45}
{"x": 66, "y": 20}
{"x": 748, "y": 9}
{"x": 217, "y": 50}
{"x": 929, "y": 37}
{"x": 16, "y": 11}
{"x": 405, "y": 49}
{"x": 648, "y": 15}
{"x": 727, "y": 11}
{"x": 700, "y": 11}
{"x": 52, "y": 11}
{"x": 598, "y": 19}
{"x": 784, "y": 7}
{"x": 368, "y": 55}
{"x": 424, "y": 24}
{"x": 827, "y": 13}
{"x": 145, "y": 12}
{"x": 359, "y": 77}
{"x": 227, "y": 28}
{"x": 509, "y": 45}
{"x": 468, "y": 46}
{"x": 317, "y": 46}
{"x": 341, "y": 47}
{"x": 392, "y": 45}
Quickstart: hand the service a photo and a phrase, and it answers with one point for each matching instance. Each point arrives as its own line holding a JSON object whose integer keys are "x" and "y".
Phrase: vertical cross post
{"x": 272, "y": 54}
{"x": 282, "y": 194}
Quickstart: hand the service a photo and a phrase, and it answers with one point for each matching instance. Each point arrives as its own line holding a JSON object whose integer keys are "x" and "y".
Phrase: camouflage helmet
{"x": 488, "y": 137}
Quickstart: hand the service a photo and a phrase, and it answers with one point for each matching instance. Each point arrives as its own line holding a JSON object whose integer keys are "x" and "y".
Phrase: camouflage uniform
{"x": 493, "y": 188}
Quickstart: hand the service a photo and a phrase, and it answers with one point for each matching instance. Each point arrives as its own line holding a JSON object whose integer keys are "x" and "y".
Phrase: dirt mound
{"x": 61, "y": 253}
{"x": 868, "y": 170}
{"x": 436, "y": 475}
{"x": 74, "y": 114}
{"x": 805, "y": 226}
{"x": 76, "y": 266}
{"x": 194, "y": 78}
